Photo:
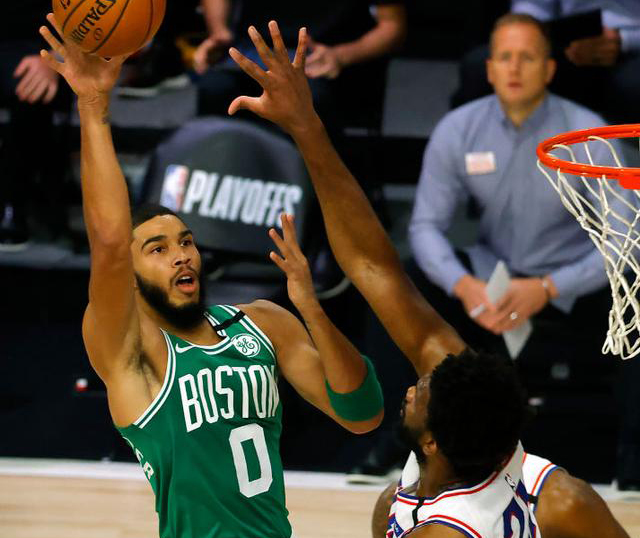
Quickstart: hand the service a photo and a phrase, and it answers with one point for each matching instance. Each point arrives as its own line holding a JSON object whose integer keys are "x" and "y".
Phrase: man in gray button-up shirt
{"x": 486, "y": 150}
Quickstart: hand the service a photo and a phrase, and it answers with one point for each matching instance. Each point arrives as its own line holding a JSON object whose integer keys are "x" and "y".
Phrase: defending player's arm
{"x": 570, "y": 508}
{"x": 380, "y": 516}
{"x": 357, "y": 237}
{"x": 110, "y": 322}
{"x": 322, "y": 365}
{"x": 436, "y": 531}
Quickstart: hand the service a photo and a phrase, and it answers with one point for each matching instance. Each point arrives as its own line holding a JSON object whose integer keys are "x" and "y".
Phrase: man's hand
{"x": 38, "y": 82}
{"x": 89, "y": 76}
{"x": 211, "y": 50}
{"x": 286, "y": 97}
{"x": 524, "y": 298}
{"x": 322, "y": 62}
{"x": 293, "y": 263}
{"x": 472, "y": 292}
{"x": 602, "y": 50}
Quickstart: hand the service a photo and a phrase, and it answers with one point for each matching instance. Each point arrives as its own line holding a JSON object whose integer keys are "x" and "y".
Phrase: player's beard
{"x": 409, "y": 437}
{"x": 185, "y": 317}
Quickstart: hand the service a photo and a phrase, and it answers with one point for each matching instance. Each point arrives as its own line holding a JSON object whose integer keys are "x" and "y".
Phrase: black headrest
{"x": 229, "y": 180}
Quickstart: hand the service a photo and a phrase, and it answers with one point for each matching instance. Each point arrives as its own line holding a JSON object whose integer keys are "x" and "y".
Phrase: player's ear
{"x": 428, "y": 444}
{"x": 489, "y": 70}
{"x": 551, "y": 70}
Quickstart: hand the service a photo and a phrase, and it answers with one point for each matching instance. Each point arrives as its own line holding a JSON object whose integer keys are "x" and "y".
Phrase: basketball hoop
{"x": 606, "y": 202}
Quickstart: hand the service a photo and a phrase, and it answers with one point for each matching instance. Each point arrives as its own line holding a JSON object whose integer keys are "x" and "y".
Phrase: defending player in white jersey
{"x": 463, "y": 422}
{"x": 567, "y": 506}
{"x": 474, "y": 511}
{"x": 535, "y": 471}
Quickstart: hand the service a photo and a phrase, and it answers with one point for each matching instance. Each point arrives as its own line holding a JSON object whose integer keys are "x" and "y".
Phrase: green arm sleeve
{"x": 363, "y": 403}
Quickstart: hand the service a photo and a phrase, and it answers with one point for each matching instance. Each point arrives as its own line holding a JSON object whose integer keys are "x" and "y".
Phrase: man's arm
{"x": 601, "y": 50}
{"x": 110, "y": 322}
{"x": 38, "y": 82}
{"x": 570, "y": 508}
{"x": 216, "y": 16}
{"x": 357, "y": 238}
{"x": 380, "y": 516}
{"x": 438, "y": 194}
{"x": 366, "y": 255}
{"x": 385, "y": 37}
{"x": 321, "y": 364}
{"x": 437, "y": 530}
{"x": 307, "y": 367}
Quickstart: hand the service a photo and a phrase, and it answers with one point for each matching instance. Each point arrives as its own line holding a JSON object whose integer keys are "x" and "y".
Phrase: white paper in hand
{"x": 496, "y": 287}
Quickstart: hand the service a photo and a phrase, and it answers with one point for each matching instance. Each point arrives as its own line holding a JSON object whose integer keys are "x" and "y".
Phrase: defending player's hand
{"x": 294, "y": 264}
{"x": 286, "y": 97}
{"x": 90, "y": 77}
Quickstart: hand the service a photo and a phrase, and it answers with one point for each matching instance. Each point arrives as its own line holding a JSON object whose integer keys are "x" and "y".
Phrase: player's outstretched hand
{"x": 89, "y": 76}
{"x": 286, "y": 97}
{"x": 294, "y": 264}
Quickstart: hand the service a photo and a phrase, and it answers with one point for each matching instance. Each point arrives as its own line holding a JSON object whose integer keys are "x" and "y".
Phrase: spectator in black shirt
{"x": 30, "y": 91}
{"x": 346, "y": 64}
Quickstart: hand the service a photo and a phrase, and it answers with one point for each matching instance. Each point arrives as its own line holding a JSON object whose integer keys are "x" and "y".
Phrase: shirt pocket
{"x": 484, "y": 188}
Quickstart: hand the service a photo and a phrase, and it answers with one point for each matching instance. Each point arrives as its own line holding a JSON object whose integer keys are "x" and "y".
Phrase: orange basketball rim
{"x": 628, "y": 177}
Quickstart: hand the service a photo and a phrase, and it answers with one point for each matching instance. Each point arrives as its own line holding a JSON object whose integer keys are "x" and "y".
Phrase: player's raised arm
{"x": 109, "y": 326}
{"x": 321, "y": 364}
{"x": 358, "y": 240}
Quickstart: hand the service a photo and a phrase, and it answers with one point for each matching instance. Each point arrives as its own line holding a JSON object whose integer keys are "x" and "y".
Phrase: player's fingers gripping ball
{"x": 109, "y": 27}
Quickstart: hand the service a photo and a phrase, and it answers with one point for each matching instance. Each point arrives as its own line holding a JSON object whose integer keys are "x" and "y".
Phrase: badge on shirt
{"x": 480, "y": 162}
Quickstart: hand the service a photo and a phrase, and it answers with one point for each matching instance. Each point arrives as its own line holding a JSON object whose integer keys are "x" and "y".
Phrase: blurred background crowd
{"x": 435, "y": 107}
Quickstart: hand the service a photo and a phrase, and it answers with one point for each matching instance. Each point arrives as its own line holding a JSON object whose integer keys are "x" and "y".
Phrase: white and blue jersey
{"x": 497, "y": 507}
{"x": 535, "y": 471}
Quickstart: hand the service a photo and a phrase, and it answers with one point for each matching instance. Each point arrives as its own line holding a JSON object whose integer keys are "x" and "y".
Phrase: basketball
{"x": 109, "y": 27}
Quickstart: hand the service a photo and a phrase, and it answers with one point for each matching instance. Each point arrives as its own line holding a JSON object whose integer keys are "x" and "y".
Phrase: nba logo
{"x": 174, "y": 186}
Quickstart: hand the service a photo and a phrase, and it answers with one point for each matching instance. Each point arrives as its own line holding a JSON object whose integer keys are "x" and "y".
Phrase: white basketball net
{"x": 610, "y": 214}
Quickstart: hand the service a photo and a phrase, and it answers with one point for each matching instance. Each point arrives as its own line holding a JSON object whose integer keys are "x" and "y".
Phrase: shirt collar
{"x": 534, "y": 120}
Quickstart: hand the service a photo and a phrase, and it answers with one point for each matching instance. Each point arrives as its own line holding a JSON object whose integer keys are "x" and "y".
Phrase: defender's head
{"x": 520, "y": 65}
{"x": 167, "y": 265}
{"x": 470, "y": 409}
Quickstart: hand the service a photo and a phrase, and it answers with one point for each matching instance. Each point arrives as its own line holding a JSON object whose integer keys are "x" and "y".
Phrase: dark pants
{"x": 34, "y": 153}
{"x": 610, "y": 91}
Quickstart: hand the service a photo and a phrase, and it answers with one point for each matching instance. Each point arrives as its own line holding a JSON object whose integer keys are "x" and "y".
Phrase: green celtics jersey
{"x": 209, "y": 442}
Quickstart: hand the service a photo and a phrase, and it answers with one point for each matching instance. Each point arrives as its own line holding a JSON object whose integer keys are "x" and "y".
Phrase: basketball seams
{"x": 113, "y": 28}
{"x": 73, "y": 10}
{"x": 117, "y": 26}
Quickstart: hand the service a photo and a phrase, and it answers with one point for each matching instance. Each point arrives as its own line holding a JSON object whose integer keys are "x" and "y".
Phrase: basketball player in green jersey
{"x": 193, "y": 390}
{"x": 567, "y": 507}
